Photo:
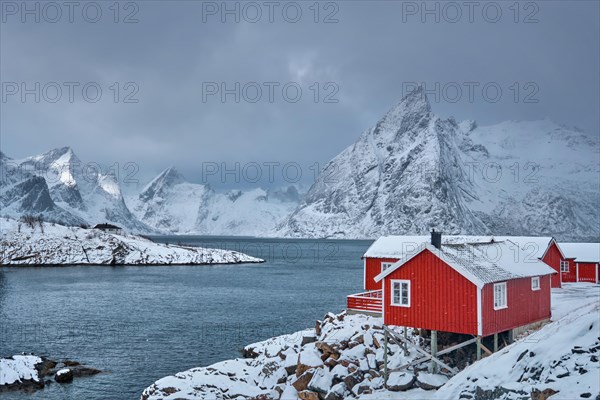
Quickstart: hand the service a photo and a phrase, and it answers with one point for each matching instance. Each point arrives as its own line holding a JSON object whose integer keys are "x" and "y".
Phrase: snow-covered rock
{"x": 414, "y": 171}
{"x": 562, "y": 357}
{"x": 19, "y": 368}
{"x": 20, "y": 244}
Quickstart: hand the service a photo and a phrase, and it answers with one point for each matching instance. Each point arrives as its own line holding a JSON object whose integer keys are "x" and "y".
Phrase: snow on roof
{"x": 481, "y": 262}
{"x": 401, "y": 246}
{"x": 581, "y": 252}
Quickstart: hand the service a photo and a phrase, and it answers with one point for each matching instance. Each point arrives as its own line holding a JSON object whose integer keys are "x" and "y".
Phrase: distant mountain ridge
{"x": 414, "y": 171}
{"x": 411, "y": 172}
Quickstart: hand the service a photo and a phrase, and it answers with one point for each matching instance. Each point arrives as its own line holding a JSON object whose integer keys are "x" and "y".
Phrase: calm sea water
{"x": 139, "y": 324}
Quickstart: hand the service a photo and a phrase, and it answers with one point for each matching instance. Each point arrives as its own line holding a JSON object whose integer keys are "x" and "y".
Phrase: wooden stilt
{"x": 495, "y": 342}
{"x": 478, "y": 342}
{"x": 385, "y": 357}
{"x": 434, "y": 368}
{"x": 404, "y": 346}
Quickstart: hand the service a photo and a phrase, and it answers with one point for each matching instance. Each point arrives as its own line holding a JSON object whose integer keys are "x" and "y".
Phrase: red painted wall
{"x": 441, "y": 298}
{"x": 373, "y": 268}
{"x": 524, "y": 305}
{"x": 570, "y": 276}
{"x": 587, "y": 272}
{"x": 552, "y": 258}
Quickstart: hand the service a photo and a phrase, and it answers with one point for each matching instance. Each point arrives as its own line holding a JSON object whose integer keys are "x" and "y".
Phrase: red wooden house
{"x": 466, "y": 285}
{"x": 581, "y": 262}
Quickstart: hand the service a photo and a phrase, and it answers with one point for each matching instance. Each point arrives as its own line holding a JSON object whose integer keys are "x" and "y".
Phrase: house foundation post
{"x": 385, "y": 357}
{"x": 434, "y": 367}
{"x": 478, "y": 343}
{"x": 405, "y": 340}
{"x": 495, "y": 342}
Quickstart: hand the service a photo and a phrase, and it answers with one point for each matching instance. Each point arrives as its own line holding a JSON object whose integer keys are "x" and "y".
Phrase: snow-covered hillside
{"x": 170, "y": 203}
{"x": 414, "y": 171}
{"x": 59, "y": 245}
{"x": 345, "y": 361}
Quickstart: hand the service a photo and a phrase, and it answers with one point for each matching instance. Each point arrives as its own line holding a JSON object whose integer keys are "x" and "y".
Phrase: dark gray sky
{"x": 544, "y": 51}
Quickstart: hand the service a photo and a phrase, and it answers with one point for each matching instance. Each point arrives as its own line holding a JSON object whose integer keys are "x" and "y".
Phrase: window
{"x": 401, "y": 293}
{"x": 535, "y": 283}
{"x": 385, "y": 265}
{"x": 564, "y": 266}
{"x": 500, "y": 296}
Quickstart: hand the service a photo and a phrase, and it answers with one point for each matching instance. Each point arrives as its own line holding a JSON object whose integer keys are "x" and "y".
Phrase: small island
{"x": 39, "y": 243}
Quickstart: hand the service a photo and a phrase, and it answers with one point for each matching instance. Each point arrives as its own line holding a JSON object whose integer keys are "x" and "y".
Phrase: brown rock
{"x": 331, "y": 362}
{"x": 542, "y": 394}
{"x": 308, "y": 339}
{"x": 333, "y": 396}
{"x": 308, "y": 395}
{"x": 318, "y": 328}
{"x": 376, "y": 343}
{"x": 301, "y": 368}
{"x": 302, "y": 382}
{"x": 65, "y": 377}
{"x": 353, "y": 379}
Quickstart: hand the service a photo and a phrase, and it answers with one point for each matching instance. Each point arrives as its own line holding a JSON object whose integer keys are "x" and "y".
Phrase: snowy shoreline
{"x": 56, "y": 245}
{"x": 342, "y": 358}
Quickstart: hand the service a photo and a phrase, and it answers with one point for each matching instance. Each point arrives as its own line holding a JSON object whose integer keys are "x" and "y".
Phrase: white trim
{"x": 479, "y": 313}
{"x": 501, "y": 284}
{"x": 382, "y": 263}
{"x": 552, "y": 240}
{"x": 535, "y": 279}
{"x": 364, "y": 274}
{"x": 597, "y": 273}
{"x": 401, "y": 282}
{"x": 576, "y": 272}
{"x": 564, "y": 262}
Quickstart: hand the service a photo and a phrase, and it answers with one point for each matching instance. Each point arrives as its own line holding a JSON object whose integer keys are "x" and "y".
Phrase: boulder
{"x": 427, "y": 381}
{"x": 400, "y": 381}
{"x": 321, "y": 381}
{"x": 353, "y": 379}
{"x": 302, "y": 382}
{"x": 308, "y": 395}
{"x": 64, "y": 375}
{"x": 308, "y": 339}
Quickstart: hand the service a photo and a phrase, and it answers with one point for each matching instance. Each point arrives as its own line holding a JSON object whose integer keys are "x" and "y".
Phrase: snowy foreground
{"x": 60, "y": 245}
{"x": 346, "y": 361}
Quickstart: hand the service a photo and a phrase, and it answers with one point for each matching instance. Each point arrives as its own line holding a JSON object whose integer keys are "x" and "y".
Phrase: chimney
{"x": 436, "y": 239}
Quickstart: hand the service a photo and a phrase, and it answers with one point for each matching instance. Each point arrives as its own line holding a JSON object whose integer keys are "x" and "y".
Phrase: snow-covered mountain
{"x": 172, "y": 204}
{"x": 414, "y": 171}
{"x": 57, "y": 185}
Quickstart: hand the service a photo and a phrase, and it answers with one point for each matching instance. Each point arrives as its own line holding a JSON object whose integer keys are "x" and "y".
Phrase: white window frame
{"x": 564, "y": 266}
{"x": 385, "y": 265}
{"x": 535, "y": 283}
{"x": 503, "y": 300}
{"x": 401, "y": 282}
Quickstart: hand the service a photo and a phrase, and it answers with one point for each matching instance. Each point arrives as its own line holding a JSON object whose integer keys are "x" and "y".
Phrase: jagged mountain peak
{"x": 163, "y": 181}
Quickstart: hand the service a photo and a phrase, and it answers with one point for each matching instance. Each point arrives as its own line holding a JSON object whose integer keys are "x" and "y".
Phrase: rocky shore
{"x": 29, "y": 373}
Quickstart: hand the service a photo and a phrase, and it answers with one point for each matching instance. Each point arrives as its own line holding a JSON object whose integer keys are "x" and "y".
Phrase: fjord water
{"x": 139, "y": 324}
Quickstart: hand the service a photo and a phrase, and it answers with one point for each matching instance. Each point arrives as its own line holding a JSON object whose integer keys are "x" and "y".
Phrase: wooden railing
{"x": 366, "y": 301}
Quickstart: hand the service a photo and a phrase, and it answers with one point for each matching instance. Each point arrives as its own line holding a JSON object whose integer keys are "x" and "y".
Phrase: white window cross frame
{"x": 500, "y": 296}
{"x": 535, "y": 283}
{"x": 400, "y": 292}
{"x": 564, "y": 266}
{"x": 386, "y": 265}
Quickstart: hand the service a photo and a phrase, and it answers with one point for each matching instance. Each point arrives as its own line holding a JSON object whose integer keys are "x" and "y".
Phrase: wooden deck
{"x": 366, "y": 302}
